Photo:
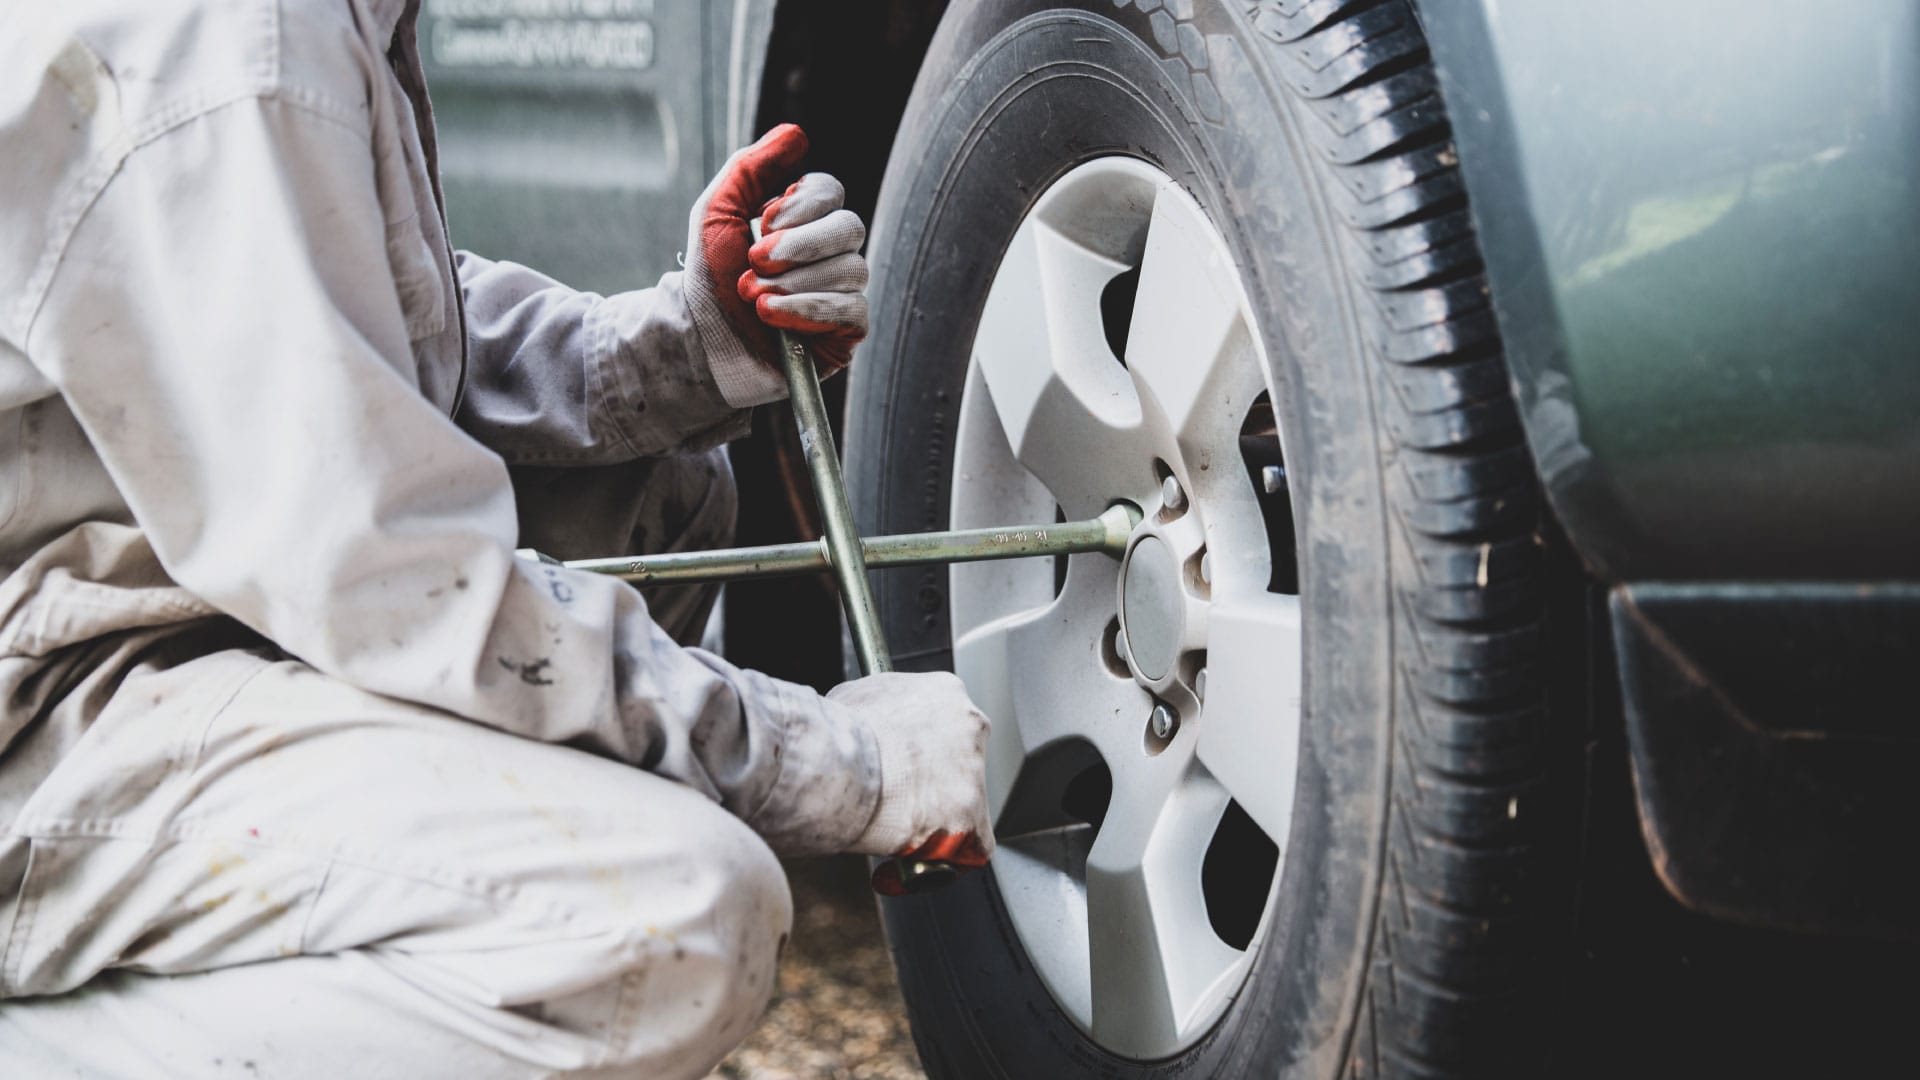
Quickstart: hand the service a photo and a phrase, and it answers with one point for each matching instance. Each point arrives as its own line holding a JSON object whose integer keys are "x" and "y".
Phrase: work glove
{"x": 933, "y": 758}
{"x": 805, "y": 274}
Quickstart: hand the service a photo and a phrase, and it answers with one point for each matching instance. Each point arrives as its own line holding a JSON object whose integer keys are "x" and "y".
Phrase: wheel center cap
{"x": 1150, "y": 605}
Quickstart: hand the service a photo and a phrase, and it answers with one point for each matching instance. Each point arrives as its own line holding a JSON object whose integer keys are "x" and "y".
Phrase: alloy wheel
{"x": 1146, "y": 711}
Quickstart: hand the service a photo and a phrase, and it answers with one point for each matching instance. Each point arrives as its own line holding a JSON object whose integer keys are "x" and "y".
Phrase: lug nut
{"x": 1206, "y": 567}
{"x": 1273, "y": 478}
{"x": 1163, "y": 722}
{"x": 1171, "y": 495}
{"x": 1200, "y": 685}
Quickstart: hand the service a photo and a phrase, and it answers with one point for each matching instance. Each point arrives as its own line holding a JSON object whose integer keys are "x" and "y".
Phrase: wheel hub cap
{"x": 1151, "y": 608}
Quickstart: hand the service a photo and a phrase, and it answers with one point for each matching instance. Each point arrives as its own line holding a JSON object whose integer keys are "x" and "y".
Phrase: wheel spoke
{"x": 1067, "y": 406}
{"x": 1132, "y": 1003}
{"x": 1250, "y": 724}
{"x": 1039, "y": 675}
{"x": 1153, "y": 957}
{"x": 993, "y": 490}
{"x": 1190, "y": 347}
{"x": 1045, "y": 873}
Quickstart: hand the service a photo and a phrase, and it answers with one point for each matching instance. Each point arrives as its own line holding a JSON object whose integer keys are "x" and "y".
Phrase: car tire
{"x": 1426, "y": 891}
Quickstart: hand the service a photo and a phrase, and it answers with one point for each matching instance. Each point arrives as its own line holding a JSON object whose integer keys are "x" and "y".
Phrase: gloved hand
{"x": 933, "y": 756}
{"x": 805, "y": 275}
{"x": 806, "y": 272}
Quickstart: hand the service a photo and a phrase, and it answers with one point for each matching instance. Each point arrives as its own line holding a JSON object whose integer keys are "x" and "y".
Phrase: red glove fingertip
{"x": 754, "y": 173}
{"x": 752, "y": 287}
{"x": 784, "y": 144}
{"x": 961, "y": 849}
{"x": 760, "y": 255}
{"x": 766, "y": 166}
{"x": 770, "y": 213}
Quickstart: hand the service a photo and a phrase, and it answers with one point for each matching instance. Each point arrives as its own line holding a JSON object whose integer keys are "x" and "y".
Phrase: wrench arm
{"x": 841, "y": 538}
{"x": 1106, "y": 533}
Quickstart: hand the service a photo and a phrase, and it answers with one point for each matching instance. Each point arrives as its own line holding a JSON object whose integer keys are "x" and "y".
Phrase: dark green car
{"x": 1518, "y": 397}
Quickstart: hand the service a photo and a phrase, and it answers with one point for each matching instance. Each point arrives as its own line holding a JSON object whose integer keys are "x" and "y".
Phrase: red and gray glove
{"x": 933, "y": 751}
{"x": 805, "y": 274}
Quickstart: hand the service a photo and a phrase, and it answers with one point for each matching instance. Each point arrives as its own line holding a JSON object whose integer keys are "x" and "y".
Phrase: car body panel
{"x": 1703, "y": 225}
{"x": 574, "y": 134}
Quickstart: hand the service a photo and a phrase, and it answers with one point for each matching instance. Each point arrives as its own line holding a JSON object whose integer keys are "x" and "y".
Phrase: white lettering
{"x": 515, "y": 43}
{"x": 540, "y": 9}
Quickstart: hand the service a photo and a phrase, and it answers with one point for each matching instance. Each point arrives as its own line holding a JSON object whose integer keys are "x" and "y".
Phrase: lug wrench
{"x": 842, "y": 550}
{"x": 1107, "y": 533}
{"x": 848, "y": 555}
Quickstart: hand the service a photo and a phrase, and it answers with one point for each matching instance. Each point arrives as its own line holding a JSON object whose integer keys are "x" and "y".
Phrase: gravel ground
{"x": 836, "y": 1014}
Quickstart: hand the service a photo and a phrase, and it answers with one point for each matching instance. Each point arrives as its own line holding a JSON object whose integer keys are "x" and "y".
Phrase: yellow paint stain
{"x": 269, "y": 907}
{"x": 560, "y": 825}
{"x": 616, "y": 889}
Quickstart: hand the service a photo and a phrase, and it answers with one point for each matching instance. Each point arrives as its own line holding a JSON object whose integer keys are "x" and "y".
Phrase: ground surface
{"x": 836, "y": 1014}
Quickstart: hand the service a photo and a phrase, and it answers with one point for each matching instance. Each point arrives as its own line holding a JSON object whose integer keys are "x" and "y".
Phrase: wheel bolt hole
{"x": 1198, "y": 573}
{"x": 1173, "y": 497}
{"x": 1272, "y": 486}
{"x": 1112, "y": 648}
{"x": 1163, "y": 723}
{"x": 1193, "y": 674}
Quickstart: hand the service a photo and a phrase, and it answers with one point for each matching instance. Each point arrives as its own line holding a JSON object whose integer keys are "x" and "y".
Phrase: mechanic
{"x": 306, "y": 774}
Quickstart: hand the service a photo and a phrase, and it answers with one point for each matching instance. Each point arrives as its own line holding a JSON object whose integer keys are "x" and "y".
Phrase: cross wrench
{"x": 842, "y": 550}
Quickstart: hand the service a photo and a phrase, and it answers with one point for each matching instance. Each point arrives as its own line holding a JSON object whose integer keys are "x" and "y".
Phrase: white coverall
{"x": 304, "y": 773}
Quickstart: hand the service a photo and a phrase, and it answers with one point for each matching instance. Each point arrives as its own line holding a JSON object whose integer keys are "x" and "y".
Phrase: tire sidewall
{"x": 1014, "y": 94}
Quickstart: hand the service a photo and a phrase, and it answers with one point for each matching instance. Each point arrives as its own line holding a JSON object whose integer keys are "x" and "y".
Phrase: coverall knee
{"x": 240, "y": 833}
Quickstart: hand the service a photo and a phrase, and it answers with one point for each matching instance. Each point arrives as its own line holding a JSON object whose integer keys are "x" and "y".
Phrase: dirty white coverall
{"x": 303, "y": 773}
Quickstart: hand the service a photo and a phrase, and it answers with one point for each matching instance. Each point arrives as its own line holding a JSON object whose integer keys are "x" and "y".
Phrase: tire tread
{"x": 1458, "y": 933}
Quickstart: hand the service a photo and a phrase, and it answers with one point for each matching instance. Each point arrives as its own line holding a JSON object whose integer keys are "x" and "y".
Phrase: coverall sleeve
{"x": 225, "y": 325}
{"x": 556, "y": 376}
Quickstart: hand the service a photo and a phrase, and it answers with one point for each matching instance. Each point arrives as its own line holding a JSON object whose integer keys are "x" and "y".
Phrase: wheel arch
{"x": 1701, "y": 315}
{"x": 1469, "y": 66}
